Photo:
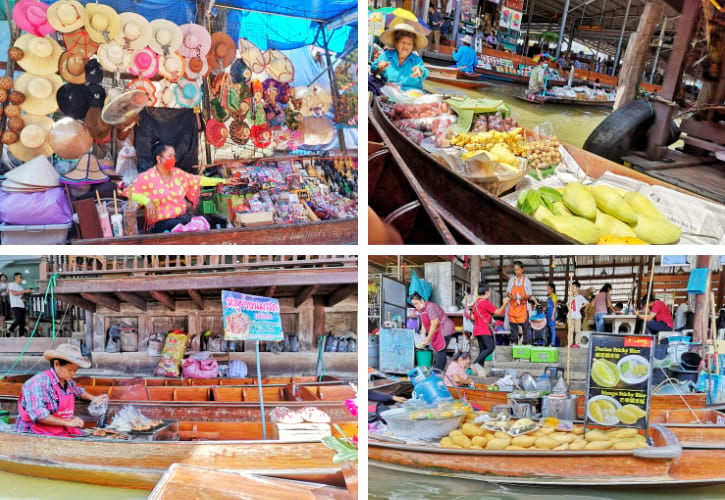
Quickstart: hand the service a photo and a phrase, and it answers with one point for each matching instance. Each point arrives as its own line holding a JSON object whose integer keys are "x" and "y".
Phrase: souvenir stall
{"x": 127, "y": 123}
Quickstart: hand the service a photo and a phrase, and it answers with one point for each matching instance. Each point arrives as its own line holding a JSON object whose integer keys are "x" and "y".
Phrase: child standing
{"x": 574, "y": 317}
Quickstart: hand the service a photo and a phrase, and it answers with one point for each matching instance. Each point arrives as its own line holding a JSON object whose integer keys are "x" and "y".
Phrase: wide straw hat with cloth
{"x": 72, "y": 68}
{"x": 103, "y": 24}
{"x": 68, "y": 352}
{"x": 222, "y": 52}
{"x": 40, "y": 54}
{"x": 32, "y": 16}
{"x": 67, "y": 16}
{"x": 33, "y": 139}
{"x": 166, "y": 37}
{"x": 388, "y": 36}
{"x": 39, "y": 93}
{"x": 135, "y": 31}
{"x": 196, "y": 41}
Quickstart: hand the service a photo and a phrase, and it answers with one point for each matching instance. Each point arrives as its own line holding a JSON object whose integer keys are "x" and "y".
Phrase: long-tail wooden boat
{"x": 551, "y": 99}
{"x": 186, "y": 481}
{"x": 651, "y": 467}
{"x": 492, "y": 74}
{"x": 459, "y": 202}
{"x": 455, "y": 77}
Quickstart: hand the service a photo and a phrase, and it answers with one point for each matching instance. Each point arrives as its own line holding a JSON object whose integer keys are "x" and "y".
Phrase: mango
{"x": 563, "y": 437}
{"x": 578, "y": 228}
{"x": 580, "y": 200}
{"x": 595, "y": 435}
{"x": 577, "y": 445}
{"x": 560, "y": 208}
{"x": 472, "y": 430}
{"x": 523, "y": 441}
{"x": 577, "y": 430}
{"x": 455, "y": 432}
{"x": 462, "y": 441}
{"x": 546, "y": 442}
{"x": 541, "y": 213}
{"x": 610, "y": 202}
{"x": 606, "y": 224}
{"x": 515, "y": 448}
{"x": 498, "y": 444}
{"x": 446, "y": 442}
{"x": 561, "y": 447}
{"x": 479, "y": 441}
{"x": 657, "y": 231}
{"x": 598, "y": 445}
{"x": 626, "y": 445}
{"x": 474, "y": 447}
{"x": 643, "y": 206}
{"x": 502, "y": 435}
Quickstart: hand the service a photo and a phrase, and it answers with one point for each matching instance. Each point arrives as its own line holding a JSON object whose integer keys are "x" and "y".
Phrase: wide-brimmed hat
{"x": 32, "y": 16}
{"x": 196, "y": 41}
{"x": 122, "y": 106}
{"x": 171, "y": 67}
{"x": 280, "y": 138}
{"x": 145, "y": 63}
{"x": 69, "y": 138}
{"x": 317, "y": 130}
{"x": 165, "y": 94}
{"x": 37, "y": 172}
{"x": 97, "y": 94}
{"x": 86, "y": 171}
{"x": 240, "y": 132}
{"x": 79, "y": 42}
{"x": 103, "y": 23}
{"x": 252, "y": 56}
{"x": 222, "y": 52}
{"x": 166, "y": 37}
{"x": 467, "y": 39}
{"x": 113, "y": 57}
{"x": 68, "y": 352}
{"x": 188, "y": 93}
{"x": 196, "y": 67}
{"x": 146, "y": 86}
{"x": 216, "y": 133}
{"x": 279, "y": 66}
{"x": 33, "y": 139}
{"x": 40, "y": 54}
{"x": 74, "y": 100}
{"x": 135, "y": 31}
{"x": 261, "y": 136}
{"x": 67, "y": 15}
{"x": 72, "y": 68}
{"x": 388, "y": 36}
{"x": 100, "y": 131}
{"x": 39, "y": 92}
{"x": 94, "y": 71}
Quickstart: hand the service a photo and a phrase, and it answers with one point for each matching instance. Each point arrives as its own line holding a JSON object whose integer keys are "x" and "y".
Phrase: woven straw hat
{"x": 36, "y": 171}
{"x": 40, "y": 54}
{"x": 222, "y": 52}
{"x": 113, "y": 57}
{"x": 103, "y": 24}
{"x": 166, "y": 37}
{"x": 146, "y": 86}
{"x": 69, "y": 353}
{"x": 188, "y": 93}
{"x": 171, "y": 67}
{"x": 79, "y": 42}
{"x": 135, "y": 31}
{"x": 72, "y": 68}
{"x": 196, "y": 41}
{"x": 279, "y": 66}
{"x": 252, "y": 56}
{"x": 388, "y": 36}
{"x": 67, "y": 15}
{"x": 196, "y": 67}
{"x": 39, "y": 92}
{"x": 32, "y": 16}
{"x": 145, "y": 63}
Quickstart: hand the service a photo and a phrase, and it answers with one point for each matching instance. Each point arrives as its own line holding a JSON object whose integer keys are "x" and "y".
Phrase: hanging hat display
{"x": 188, "y": 93}
{"x": 32, "y": 16}
{"x": 69, "y": 138}
{"x": 121, "y": 107}
{"x": 280, "y": 138}
{"x": 74, "y": 100}
{"x": 166, "y": 37}
{"x": 240, "y": 72}
{"x": 317, "y": 130}
{"x": 86, "y": 171}
{"x": 165, "y": 94}
{"x": 79, "y": 42}
{"x": 33, "y": 139}
{"x": 67, "y": 15}
{"x": 135, "y": 33}
{"x": 252, "y": 56}
{"x": 242, "y": 110}
{"x": 103, "y": 23}
{"x": 147, "y": 87}
{"x": 72, "y": 68}
{"x": 36, "y": 171}
{"x": 145, "y": 63}
{"x": 196, "y": 67}
{"x": 171, "y": 67}
{"x": 279, "y": 66}
{"x": 261, "y": 136}
{"x": 94, "y": 71}
{"x": 97, "y": 95}
{"x": 40, "y": 54}
{"x": 216, "y": 133}
{"x": 113, "y": 57}
{"x": 196, "y": 41}
{"x": 39, "y": 93}
{"x": 293, "y": 119}
{"x": 222, "y": 52}
{"x": 240, "y": 132}
{"x": 99, "y": 130}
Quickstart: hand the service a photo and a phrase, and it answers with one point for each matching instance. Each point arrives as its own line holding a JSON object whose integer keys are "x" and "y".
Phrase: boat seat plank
{"x": 227, "y": 393}
{"x": 191, "y": 394}
{"x": 270, "y": 393}
{"x": 97, "y": 390}
{"x": 160, "y": 393}
{"x": 335, "y": 392}
{"x": 236, "y": 381}
{"x": 129, "y": 393}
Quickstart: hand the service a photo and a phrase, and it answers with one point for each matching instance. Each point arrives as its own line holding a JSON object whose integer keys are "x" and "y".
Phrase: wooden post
{"x": 475, "y": 273}
{"x": 318, "y": 319}
{"x": 702, "y": 303}
{"x": 637, "y": 51}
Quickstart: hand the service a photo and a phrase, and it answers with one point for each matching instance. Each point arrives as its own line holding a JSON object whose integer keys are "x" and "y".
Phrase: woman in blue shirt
{"x": 465, "y": 56}
{"x": 400, "y": 65}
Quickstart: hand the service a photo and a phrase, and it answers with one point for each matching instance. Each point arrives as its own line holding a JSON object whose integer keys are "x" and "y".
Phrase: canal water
{"x": 15, "y": 487}
{"x": 394, "y": 485}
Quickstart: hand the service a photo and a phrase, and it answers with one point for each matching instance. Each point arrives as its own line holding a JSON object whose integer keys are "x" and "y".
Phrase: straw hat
{"x": 32, "y": 16}
{"x": 72, "y": 68}
{"x": 467, "y": 39}
{"x": 39, "y": 92}
{"x": 388, "y": 36}
{"x": 87, "y": 171}
{"x": 196, "y": 67}
{"x": 113, "y": 57}
{"x": 165, "y": 94}
{"x": 196, "y": 41}
{"x": 68, "y": 352}
{"x": 222, "y": 52}
{"x": 37, "y": 171}
{"x": 317, "y": 130}
{"x": 145, "y": 63}
{"x": 240, "y": 132}
{"x": 261, "y": 136}
{"x": 103, "y": 24}
{"x": 216, "y": 133}
{"x": 135, "y": 31}
{"x": 166, "y": 37}
{"x": 79, "y": 42}
{"x": 98, "y": 95}
{"x": 99, "y": 130}
{"x": 279, "y": 66}
{"x": 33, "y": 139}
{"x": 121, "y": 106}
{"x": 67, "y": 15}
{"x": 40, "y": 54}
{"x": 171, "y": 67}
{"x": 188, "y": 93}
{"x": 147, "y": 87}
{"x": 69, "y": 138}
{"x": 252, "y": 56}
{"x": 74, "y": 100}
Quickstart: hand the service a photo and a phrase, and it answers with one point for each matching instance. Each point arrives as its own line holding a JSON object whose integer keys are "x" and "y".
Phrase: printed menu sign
{"x": 249, "y": 317}
{"x": 618, "y": 380}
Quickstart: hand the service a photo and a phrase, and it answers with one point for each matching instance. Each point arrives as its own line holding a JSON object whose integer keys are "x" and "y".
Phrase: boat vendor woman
{"x": 400, "y": 65}
{"x": 440, "y": 328}
{"x": 465, "y": 56}
{"x": 164, "y": 190}
{"x": 480, "y": 313}
{"x": 456, "y": 371}
{"x": 537, "y": 78}
{"x": 47, "y": 400}
{"x": 519, "y": 291}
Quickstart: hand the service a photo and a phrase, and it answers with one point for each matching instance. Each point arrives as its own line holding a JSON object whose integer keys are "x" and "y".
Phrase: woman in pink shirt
{"x": 659, "y": 317}
{"x": 480, "y": 313}
{"x": 456, "y": 371}
{"x": 602, "y": 304}
{"x": 439, "y": 327}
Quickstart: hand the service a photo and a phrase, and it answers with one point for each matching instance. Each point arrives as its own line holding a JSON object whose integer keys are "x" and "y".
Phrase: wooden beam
{"x": 104, "y": 300}
{"x": 340, "y": 294}
{"x": 133, "y": 299}
{"x": 318, "y": 319}
{"x": 164, "y": 298}
{"x": 269, "y": 292}
{"x": 305, "y": 294}
{"x": 197, "y": 298}
{"x": 76, "y": 300}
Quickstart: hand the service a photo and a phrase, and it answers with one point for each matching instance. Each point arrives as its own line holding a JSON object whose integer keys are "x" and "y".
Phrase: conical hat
{"x": 86, "y": 171}
{"x": 33, "y": 140}
{"x": 35, "y": 172}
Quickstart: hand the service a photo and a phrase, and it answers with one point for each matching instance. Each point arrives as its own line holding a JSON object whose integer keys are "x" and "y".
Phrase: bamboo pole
{"x": 649, "y": 291}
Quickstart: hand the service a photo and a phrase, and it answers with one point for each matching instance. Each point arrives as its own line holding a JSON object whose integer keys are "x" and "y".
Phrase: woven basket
{"x": 498, "y": 185}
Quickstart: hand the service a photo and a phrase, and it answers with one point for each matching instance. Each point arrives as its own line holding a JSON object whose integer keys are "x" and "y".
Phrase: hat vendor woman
{"x": 165, "y": 189}
{"x": 400, "y": 65}
{"x": 47, "y": 400}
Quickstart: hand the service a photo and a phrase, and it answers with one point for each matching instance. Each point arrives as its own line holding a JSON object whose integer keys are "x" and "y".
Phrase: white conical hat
{"x": 36, "y": 172}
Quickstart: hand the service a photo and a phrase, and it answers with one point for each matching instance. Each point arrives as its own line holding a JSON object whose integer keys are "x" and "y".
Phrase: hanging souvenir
{"x": 240, "y": 72}
{"x": 39, "y": 93}
{"x": 69, "y": 138}
{"x": 261, "y": 136}
{"x": 98, "y": 95}
{"x": 135, "y": 32}
{"x": 196, "y": 41}
{"x": 279, "y": 66}
{"x": 240, "y": 132}
{"x": 147, "y": 87}
{"x": 171, "y": 67}
{"x": 33, "y": 139}
{"x": 166, "y": 37}
{"x": 80, "y": 42}
{"x": 195, "y": 68}
{"x": 66, "y": 16}
{"x": 72, "y": 68}
{"x": 32, "y": 16}
{"x": 252, "y": 56}
{"x": 216, "y": 133}
{"x": 222, "y": 52}
{"x": 145, "y": 63}
{"x": 113, "y": 57}
{"x": 94, "y": 71}
{"x": 188, "y": 94}
{"x": 103, "y": 24}
{"x": 74, "y": 100}
{"x": 40, "y": 54}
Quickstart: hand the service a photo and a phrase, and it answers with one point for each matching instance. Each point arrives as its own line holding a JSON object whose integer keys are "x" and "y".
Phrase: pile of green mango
{"x": 588, "y": 214}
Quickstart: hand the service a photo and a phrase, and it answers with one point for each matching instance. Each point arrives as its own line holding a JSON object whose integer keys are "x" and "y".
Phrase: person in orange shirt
{"x": 519, "y": 292}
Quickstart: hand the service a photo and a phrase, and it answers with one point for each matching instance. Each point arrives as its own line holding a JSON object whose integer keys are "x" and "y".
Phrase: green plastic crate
{"x": 544, "y": 354}
{"x": 521, "y": 351}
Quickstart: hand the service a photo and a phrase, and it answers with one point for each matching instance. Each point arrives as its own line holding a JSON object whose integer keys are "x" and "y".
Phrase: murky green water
{"x": 571, "y": 124}
{"x": 384, "y": 483}
{"x": 15, "y": 487}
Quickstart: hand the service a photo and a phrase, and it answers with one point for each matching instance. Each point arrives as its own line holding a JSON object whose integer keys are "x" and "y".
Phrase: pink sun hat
{"x": 32, "y": 16}
{"x": 145, "y": 63}
{"x": 196, "y": 41}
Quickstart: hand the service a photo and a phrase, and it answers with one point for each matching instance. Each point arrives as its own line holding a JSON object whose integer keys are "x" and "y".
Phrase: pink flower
{"x": 351, "y": 405}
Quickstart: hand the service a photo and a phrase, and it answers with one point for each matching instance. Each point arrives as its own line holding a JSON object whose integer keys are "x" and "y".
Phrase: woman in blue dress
{"x": 400, "y": 65}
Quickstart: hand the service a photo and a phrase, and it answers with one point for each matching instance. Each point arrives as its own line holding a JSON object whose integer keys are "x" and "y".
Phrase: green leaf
{"x": 522, "y": 198}
{"x": 344, "y": 451}
{"x": 550, "y": 194}
{"x": 534, "y": 199}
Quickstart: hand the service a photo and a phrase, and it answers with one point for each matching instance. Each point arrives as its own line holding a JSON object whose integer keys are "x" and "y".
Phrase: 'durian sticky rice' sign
{"x": 250, "y": 317}
{"x": 618, "y": 385}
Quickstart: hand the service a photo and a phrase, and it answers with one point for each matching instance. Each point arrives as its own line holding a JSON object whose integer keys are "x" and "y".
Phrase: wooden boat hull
{"x": 140, "y": 465}
{"x": 452, "y": 76}
{"x": 541, "y": 100}
{"x": 696, "y": 428}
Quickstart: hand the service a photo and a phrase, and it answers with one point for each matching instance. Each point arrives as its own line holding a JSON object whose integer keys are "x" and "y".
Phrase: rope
{"x": 670, "y": 380}
{"x": 49, "y": 290}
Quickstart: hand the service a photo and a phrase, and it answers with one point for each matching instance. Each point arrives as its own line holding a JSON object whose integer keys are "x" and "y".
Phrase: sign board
{"x": 250, "y": 317}
{"x": 506, "y": 40}
{"x": 514, "y": 4}
{"x": 510, "y": 19}
{"x": 397, "y": 350}
{"x": 618, "y": 380}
